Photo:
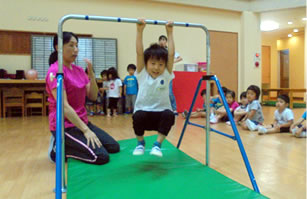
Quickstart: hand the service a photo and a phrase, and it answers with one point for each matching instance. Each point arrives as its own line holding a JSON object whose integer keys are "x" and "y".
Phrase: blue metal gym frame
{"x": 60, "y": 147}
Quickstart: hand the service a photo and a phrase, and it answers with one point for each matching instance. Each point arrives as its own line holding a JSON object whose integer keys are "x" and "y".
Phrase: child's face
{"x": 110, "y": 76}
{"x": 155, "y": 67}
{"x": 104, "y": 77}
{"x": 281, "y": 104}
{"x": 131, "y": 71}
{"x": 244, "y": 101}
{"x": 162, "y": 42}
{"x": 251, "y": 95}
{"x": 229, "y": 98}
{"x": 204, "y": 97}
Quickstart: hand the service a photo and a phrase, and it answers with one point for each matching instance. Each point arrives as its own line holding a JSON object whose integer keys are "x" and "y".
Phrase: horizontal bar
{"x": 128, "y": 20}
{"x": 211, "y": 129}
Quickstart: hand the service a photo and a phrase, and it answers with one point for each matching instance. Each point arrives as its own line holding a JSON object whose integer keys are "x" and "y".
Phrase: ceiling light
{"x": 305, "y": 18}
{"x": 289, "y": 35}
{"x": 290, "y": 22}
{"x": 295, "y": 30}
{"x": 269, "y": 26}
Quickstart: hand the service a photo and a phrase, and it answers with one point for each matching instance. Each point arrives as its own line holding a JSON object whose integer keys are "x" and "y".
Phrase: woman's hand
{"x": 92, "y": 139}
{"x": 90, "y": 70}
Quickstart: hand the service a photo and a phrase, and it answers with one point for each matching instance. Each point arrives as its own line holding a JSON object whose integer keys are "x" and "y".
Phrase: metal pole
{"x": 237, "y": 136}
{"x": 189, "y": 114}
{"x": 59, "y": 168}
{"x": 60, "y": 133}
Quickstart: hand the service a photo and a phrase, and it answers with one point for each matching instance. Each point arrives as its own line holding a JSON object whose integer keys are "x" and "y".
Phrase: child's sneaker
{"x": 156, "y": 151}
{"x": 294, "y": 131}
{"x": 262, "y": 130}
{"x": 251, "y": 125}
{"x": 185, "y": 113}
{"x": 139, "y": 150}
{"x": 228, "y": 123}
{"x": 213, "y": 120}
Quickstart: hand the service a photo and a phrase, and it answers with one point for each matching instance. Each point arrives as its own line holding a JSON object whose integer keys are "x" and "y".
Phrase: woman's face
{"x": 70, "y": 50}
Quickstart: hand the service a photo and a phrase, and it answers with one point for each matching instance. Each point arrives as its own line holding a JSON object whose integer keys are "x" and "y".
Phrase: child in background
{"x": 254, "y": 114}
{"x": 240, "y": 111}
{"x": 216, "y": 103}
{"x": 114, "y": 91}
{"x": 104, "y": 89}
{"x": 154, "y": 72}
{"x": 221, "y": 113}
{"x": 130, "y": 88}
{"x": 298, "y": 129}
{"x": 283, "y": 118}
{"x": 200, "y": 112}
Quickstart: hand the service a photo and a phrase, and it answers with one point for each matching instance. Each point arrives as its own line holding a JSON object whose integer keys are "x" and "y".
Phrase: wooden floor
{"x": 278, "y": 161}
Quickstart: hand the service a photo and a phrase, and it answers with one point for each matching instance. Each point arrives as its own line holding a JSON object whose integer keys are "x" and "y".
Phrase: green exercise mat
{"x": 174, "y": 176}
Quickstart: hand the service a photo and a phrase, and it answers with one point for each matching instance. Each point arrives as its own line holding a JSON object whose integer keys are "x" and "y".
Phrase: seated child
{"x": 283, "y": 118}
{"x": 254, "y": 114}
{"x": 200, "y": 112}
{"x": 221, "y": 113}
{"x": 215, "y": 104}
{"x": 298, "y": 129}
{"x": 241, "y": 110}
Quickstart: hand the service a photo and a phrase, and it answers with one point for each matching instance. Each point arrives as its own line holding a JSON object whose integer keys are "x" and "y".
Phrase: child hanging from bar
{"x": 154, "y": 72}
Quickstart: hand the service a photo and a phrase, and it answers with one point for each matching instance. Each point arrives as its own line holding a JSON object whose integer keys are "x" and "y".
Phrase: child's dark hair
{"x": 156, "y": 51}
{"x": 162, "y": 37}
{"x": 131, "y": 66}
{"x": 230, "y": 92}
{"x": 113, "y": 72}
{"x": 285, "y": 98}
{"x": 104, "y": 72}
{"x": 86, "y": 71}
{"x": 224, "y": 89}
{"x": 66, "y": 38}
{"x": 255, "y": 89}
{"x": 203, "y": 92}
{"x": 243, "y": 95}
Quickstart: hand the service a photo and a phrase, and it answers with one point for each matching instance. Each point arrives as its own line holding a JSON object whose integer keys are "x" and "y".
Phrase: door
{"x": 284, "y": 68}
{"x": 224, "y": 58}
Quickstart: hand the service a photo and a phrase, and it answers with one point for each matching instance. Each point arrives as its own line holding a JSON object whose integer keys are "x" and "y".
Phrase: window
{"x": 102, "y": 52}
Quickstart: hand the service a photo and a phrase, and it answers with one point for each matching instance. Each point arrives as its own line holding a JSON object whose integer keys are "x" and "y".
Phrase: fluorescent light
{"x": 290, "y": 22}
{"x": 305, "y": 18}
{"x": 289, "y": 35}
{"x": 295, "y": 30}
{"x": 269, "y": 26}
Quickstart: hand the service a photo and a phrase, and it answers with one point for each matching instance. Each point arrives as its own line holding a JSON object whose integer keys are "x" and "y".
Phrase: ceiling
{"x": 282, "y": 17}
{"x": 280, "y": 11}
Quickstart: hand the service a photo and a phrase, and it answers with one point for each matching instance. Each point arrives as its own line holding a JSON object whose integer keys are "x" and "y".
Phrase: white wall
{"x": 190, "y": 43}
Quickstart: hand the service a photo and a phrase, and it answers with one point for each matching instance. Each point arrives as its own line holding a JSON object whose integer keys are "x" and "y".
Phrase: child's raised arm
{"x": 139, "y": 45}
{"x": 171, "y": 46}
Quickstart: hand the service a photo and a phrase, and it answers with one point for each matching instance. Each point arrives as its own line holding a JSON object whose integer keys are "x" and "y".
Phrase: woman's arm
{"x": 91, "y": 88}
{"x": 72, "y": 116}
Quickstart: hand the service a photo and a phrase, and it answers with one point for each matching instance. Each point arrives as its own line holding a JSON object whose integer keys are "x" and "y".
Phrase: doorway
{"x": 284, "y": 68}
